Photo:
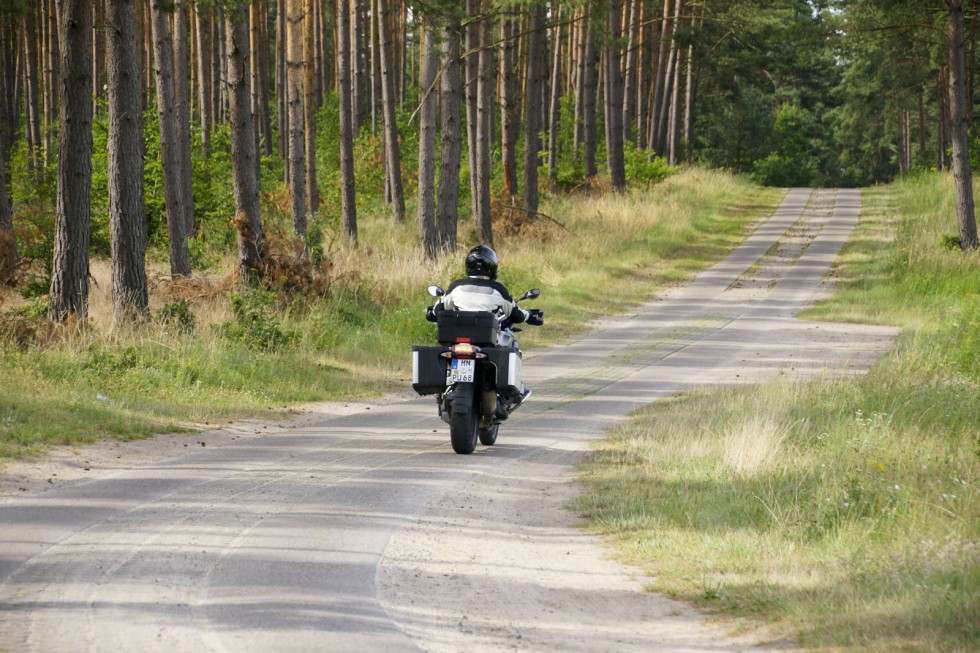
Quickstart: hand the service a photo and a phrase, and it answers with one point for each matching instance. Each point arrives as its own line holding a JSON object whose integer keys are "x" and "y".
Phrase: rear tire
{"x": 488, "y": 436}
{"x": 464, "y": 424}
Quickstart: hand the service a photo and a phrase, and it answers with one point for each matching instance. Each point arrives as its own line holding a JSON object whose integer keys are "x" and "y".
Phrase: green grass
{"x": 96, "y": 380}
{"x": 841, "y": 513}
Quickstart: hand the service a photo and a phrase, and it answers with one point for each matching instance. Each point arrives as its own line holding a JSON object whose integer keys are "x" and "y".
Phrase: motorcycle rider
{"x": 480, "y": 291}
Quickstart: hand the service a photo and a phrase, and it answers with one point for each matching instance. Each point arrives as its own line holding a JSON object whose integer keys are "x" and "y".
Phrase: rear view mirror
{"x": 533, "y": 293}
{"x": 436, "y": 291}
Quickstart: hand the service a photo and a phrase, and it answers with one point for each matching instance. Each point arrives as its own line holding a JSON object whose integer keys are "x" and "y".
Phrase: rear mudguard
{"x": 458, "y": 398}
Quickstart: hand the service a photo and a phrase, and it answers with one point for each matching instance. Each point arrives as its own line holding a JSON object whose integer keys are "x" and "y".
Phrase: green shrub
{"x": 644, "y": 168}
{"x": 177, "y": 316}
{"x": 256, "y": 322}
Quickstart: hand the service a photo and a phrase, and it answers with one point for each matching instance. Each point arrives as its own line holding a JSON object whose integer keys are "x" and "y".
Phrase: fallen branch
{"x": 531, "y": 214}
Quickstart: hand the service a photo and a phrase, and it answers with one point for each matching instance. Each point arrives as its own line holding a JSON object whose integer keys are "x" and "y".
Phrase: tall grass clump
{"x": 843, "y": 513}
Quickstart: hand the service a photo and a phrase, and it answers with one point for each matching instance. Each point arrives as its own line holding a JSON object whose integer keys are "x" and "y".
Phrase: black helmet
{"x": 482, "y": 261}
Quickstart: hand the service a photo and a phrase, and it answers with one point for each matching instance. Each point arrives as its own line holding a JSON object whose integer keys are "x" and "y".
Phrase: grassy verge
{"x": 842, "y": 513}
{"x": 226, "y": 352}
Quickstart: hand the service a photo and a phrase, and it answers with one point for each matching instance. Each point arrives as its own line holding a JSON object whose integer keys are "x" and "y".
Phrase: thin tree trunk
{"x": 554, "y": 105}
{"x": 537, "y": 70}
{"x": 509, "y": 106}
{"x": 922, "y": 122}
{"x": 653, "y": 140}
{"x": 673, "y": 114}
{"x": 581, "y": 51}
{"x": 471, "y": 49}
{"x": 180, "y": 262}
{"x": 32, "y": 78}
{"x": 663, "y": 110}
{"x": 632, "y": 74}
{"x": 127, "y": 209}
{"x": 447, "y": 209}
{"x": 347, "y": 196}
{"x": 356, "y": 68}
{"x": 98, "y": 52}
{"x": 310, "y": 107}
{"x": 283, "y": 111}
{"x": 590, "y": 92}
{"x": 392, "y": 151}
{"x": 689, "y": 108}
{"x": 962, "y": 175}
{"x": 614, "y": 98}
{"x": 8, "y": 239}
{"x": 69, "y": 275}
{"x": 484, "y": 113}
{"x": 294, "y": 92}
{"x": 375, "y": 74}
{"x": 248, "y": 208}
{"x": 182, "y": 106}
{"x": 49, "y": 55}
{"x": 204, "y": 81}
{"x": 428, "y": 240}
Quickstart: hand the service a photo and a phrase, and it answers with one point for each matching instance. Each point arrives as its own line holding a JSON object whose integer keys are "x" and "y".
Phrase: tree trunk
{"x": 510, "y": 119}
{"x": 180, "y": 261}
{"x": 69, "y": 276}
{"x": 32, "y": 77}
{"x": 580, "y": 75}
{"x": 248, "y": 211}
{"x": 428, "y": 241}
{"x": 98, "y": 51}
{"x": 182, "y": 106}
{"x": 357, "y": 69}
{"x": 282, "y": 108}
{"x": 471, "y": 48}
{"x": 689, "y": 108}
{"x": 590, "y": 85}
{"x": 673, "y": 114}
{"x": 447, "y": 209}
{"x": 962, "y": 175}
{"x": 347, "y": 196}
{"x": 310, "y": 107}
{"x": 127, "y": 209}
{"x": 484, "y": 118}
{"x": 375, "y": 73}
{"x": 294, "y": 93}
{"x": 49, "y": 55}
{"x": 653, "y": 140}
{"x": 8, "y": 239}
{"x": 614, "y": 98}
{"x": 537, "y": 70}
{"x": 204, "y": 81}
{"x": 388, "y": 100}
{"x": 554, "y": 105}
{"x": 632, "y": 74}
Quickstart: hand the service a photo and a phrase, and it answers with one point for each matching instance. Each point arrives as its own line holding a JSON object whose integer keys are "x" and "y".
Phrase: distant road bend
{"x": 363, "y": 531}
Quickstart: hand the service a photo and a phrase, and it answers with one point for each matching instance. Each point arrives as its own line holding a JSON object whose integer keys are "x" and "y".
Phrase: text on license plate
{"x": 461, "y": 371}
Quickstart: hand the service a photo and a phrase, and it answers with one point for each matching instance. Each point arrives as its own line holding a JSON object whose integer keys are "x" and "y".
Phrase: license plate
{"x": 461, "y": 371}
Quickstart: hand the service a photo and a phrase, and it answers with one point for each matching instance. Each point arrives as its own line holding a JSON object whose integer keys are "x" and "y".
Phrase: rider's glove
{"x": 535, "y": 317}
{"x": 430, "y": 314}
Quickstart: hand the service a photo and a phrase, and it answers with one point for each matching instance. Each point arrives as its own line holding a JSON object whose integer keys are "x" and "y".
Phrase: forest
{"x": 188, "y": 130}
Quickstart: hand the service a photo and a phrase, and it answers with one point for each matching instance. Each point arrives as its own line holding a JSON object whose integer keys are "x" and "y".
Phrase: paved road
{"x": 364, "y": 532}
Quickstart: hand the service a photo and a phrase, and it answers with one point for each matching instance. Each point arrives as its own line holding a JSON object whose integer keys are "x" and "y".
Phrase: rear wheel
{"x": 464, "y": 421}
{"x": 488, "y": 435}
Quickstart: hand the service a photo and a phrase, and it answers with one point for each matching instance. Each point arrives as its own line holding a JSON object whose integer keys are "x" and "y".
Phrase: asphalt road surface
{"x": 360, "y": 530}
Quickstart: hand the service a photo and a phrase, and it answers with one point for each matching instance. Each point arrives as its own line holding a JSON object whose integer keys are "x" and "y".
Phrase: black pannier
{"x": 476, "y": 327}
{"x": 428, "y": 370}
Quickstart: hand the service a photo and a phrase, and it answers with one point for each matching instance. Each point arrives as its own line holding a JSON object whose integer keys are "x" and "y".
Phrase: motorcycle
{"x": 474, "y": 373}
